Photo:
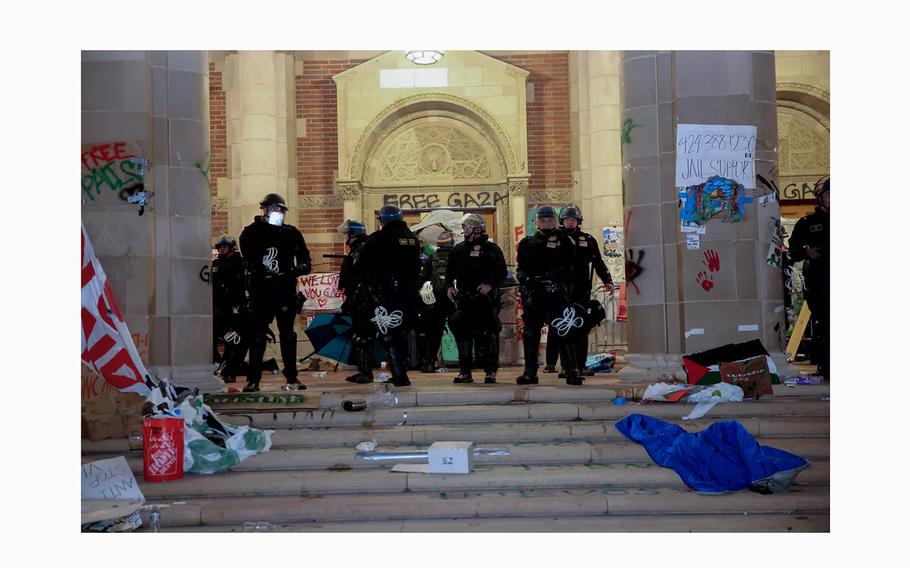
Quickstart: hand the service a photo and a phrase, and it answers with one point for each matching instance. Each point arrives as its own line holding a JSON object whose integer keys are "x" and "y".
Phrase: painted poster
{"x": 321, "y": 291}
{"x": 717, "y": 197}
{"x": 704, "y": 151}
{"x": 116, "y": 167}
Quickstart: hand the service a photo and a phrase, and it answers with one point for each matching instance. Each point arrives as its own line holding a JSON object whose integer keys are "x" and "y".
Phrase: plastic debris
{"x": 319, "y": 375}
{"x": 619, "y": 401}
{"x": 707, "y": 398}
{"x": 367, "y": 446}
{"x": 257, "y": 526}
{"x": 381, "y": 378}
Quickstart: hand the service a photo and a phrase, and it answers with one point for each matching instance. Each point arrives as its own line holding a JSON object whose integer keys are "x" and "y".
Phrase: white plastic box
{"x": 451, "y": 457}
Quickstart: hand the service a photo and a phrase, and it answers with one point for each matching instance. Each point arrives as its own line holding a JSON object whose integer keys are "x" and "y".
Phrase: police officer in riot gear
{"x": 475, "y": 273}
{"x": 276, "y": 255}
{"x": 229, "y": 303}
{"x": 545, "y": 276}
{"x": 437, "y": 306}
{"x": 811, "y": 243}
{"x": 356, "y": 302}
{"x": 588, "y": 261}
{"x": 390, "y": 262}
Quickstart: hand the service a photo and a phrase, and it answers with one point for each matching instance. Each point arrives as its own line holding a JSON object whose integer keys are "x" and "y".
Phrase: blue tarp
{"x": 722, "y": 458}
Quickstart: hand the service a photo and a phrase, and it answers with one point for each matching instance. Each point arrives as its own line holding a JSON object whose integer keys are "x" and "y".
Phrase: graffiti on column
{"x": 711, "y": 263}
{"x": 205, "y": 166}
{"x": 627, "y": 127}
{"x": 519, "y": 234}
{"x": 717, "y": 197}
{"x": 634, "y": 268}
{"x": 114, "y": 166}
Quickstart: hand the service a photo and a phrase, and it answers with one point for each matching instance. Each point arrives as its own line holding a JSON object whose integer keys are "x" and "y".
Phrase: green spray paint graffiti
{"x": 205, "y": 166}
{"x": 627, "y": 127}
{"x": 113, "y": 166}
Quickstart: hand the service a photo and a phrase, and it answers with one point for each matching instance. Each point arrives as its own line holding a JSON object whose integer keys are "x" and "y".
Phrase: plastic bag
{"x": 705, "y": 399}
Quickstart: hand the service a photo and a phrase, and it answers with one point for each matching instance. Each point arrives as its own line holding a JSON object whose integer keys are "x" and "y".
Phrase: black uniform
{"x": 230, "y": 311}
{"x": 357, "y": 305}
{"x": 587, "y": 256}
{"x": 276, "y": 256}
{"x": 545, "y": 276}
{"x": 390, "y": 261}
{"x": 813, "y": 230}
{"x": 432, "y": 319}
{"x": 475, "y": 322}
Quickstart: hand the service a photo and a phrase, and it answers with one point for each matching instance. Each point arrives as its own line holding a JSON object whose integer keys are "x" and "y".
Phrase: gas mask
{"x": 276, "y": 218}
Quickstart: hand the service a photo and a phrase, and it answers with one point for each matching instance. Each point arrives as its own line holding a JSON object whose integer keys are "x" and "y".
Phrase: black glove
{"x": 301, "y": 270}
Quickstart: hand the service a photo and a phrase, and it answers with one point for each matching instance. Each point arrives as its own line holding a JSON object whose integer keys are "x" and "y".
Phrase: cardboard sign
{"x": 110, "y": 479}
{"x": 321, "y": 291}
{"x": 752, "y": 375}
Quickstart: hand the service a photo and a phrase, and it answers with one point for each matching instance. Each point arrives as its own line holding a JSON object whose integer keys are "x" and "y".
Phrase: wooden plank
{"x": 798, "y": 330}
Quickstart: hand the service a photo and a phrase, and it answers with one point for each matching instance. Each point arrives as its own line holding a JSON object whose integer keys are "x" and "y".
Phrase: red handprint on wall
{"x": 712, "y": 261}
{"x": 706, "y": 280}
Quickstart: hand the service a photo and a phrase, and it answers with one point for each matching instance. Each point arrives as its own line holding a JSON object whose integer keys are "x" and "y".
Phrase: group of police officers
{"x": 392, "y": 285}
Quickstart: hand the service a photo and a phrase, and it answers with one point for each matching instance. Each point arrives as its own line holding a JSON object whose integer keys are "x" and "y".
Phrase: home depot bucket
{"x": 162, "y": 449}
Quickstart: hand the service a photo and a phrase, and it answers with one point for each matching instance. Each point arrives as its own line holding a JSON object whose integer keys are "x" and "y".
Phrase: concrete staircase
{"x": 569, "y": 469}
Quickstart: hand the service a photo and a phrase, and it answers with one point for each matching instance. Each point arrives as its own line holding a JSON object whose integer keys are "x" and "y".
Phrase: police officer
{"x": 810, "y": 243}
{"x": 545, "y": 274}
{"x": 390, "y": 261}
{"x": 437, "y": 306}
{"x": 229, "y": 302}
{"x": 276, "y": 255}
{"x": 475, "y": 273}
{"x": 356, "y": 302}
{"x": 587, "y": 262}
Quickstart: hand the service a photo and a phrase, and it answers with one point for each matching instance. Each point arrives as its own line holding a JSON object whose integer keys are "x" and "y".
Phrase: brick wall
{"x": 218, "y": 137}
{"x": 549, "y": 141}
{"x": 317, "y": 152}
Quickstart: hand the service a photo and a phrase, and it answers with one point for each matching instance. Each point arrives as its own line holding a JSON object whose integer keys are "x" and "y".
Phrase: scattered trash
{"x": 722, "y": 458}
{"x": 404, "y": 419}
{"x": 381, "y": 378}
{"x": 367, "y": 446}
{"x": 257, "y": 526}
{"x": 162, "y": 448}
{"x": 619, "y": 401}
{"x": 231, "y": 390}
{"x": 601, "y": 362}
{"x": 290, "y": 387}
{"x": 707, "y": 398}
{"x": 451, "y": 457}
{"x": 805, "y": 380}
{"x": 442, "y": 370}
{"x": 665, "y": 392}
{"x": 354, "y": 405}
{"x": 319, "y": 375}
{"x": 155, "y": 520}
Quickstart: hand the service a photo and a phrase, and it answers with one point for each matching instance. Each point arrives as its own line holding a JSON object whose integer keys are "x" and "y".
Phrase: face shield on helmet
{"x": 352, "y": 229}
{"x": 546, "y": 219}
{"x": 389, "y": 213}
{"x": 570, "y": 211}
{"x": 473, "y": 225}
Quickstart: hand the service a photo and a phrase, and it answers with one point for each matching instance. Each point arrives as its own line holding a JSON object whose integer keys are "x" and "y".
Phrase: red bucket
{"x": 162, "y": 449}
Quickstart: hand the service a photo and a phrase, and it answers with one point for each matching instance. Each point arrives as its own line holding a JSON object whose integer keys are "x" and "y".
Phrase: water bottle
{"x": 382, "y": 377}
{"x": 154, "y": 520}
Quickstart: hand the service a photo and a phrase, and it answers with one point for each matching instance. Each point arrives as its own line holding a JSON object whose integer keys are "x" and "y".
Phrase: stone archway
{"x": 804, "y": 138}
{"x": 437, "y": 150}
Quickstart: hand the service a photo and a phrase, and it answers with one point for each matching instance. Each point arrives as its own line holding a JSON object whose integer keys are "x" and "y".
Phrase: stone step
{"x": 486, "y": 504}
{"x": 562, "y": 477}
{"x": 568, "y": 452}
{"x": 708, "y": 523}
{"x": 595, "y": 430}
{"x": 512, "y": 393}
{"x": 329, "y": 417}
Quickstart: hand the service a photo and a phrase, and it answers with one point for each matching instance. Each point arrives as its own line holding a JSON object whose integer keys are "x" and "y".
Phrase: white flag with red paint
{"x": 107, "y": 347}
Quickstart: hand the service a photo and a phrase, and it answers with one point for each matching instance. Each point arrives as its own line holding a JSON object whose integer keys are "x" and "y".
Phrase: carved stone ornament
{"x": 319, "y": 202}
{"x": 219, "y": 203}
{"x": 349, "y": 191}
{"x": 518, "y": 188}
{"x": 433, "y": 153}
{"x": 804, "y": 144}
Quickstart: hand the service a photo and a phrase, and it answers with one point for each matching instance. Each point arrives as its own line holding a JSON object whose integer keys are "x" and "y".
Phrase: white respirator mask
{"x": 276, "y": 218}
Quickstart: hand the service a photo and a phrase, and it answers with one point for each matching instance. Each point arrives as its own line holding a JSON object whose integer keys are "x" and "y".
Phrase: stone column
{"x": 518, "y": 203}
{"x": 261, "y": 117}
{"x": 670, "y": 312}
{"x": 158, "y": 102}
